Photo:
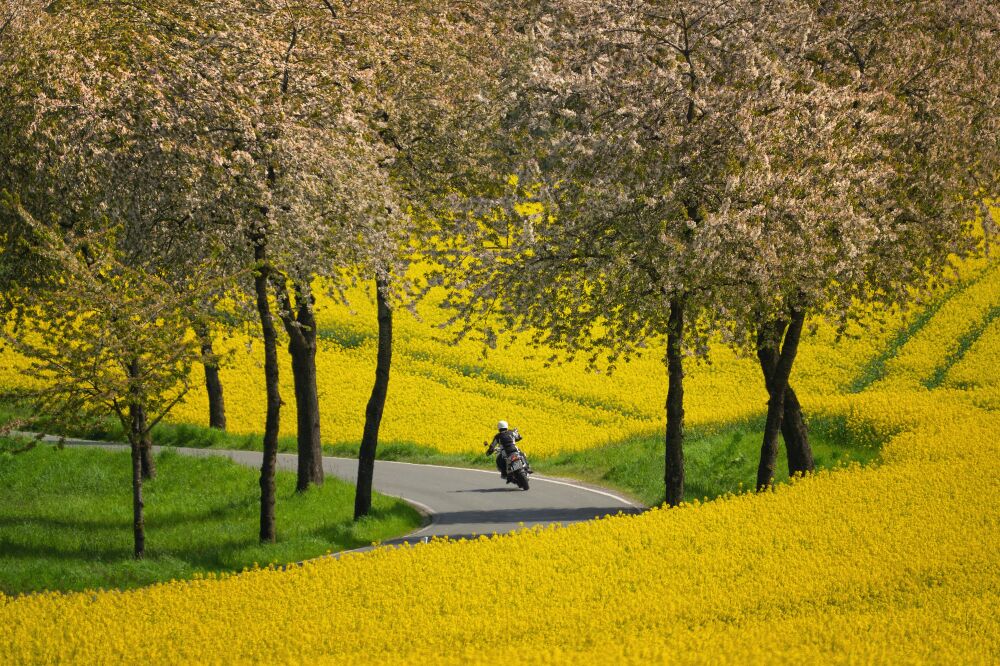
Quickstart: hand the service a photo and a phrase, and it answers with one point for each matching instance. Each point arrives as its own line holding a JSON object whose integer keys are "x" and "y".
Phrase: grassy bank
{"x": 66, "y": 519}
{"x": 718, "y": 460}
{"x": 715, "y": 463}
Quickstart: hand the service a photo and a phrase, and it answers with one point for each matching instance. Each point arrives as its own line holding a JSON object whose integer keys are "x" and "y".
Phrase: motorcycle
{"x": 516, "y": 464}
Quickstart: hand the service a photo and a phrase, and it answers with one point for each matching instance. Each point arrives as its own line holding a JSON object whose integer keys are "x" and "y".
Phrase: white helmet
{"x": 502, "y": 425}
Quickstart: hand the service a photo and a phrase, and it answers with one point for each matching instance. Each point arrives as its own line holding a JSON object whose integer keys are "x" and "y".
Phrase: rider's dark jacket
{"x": 506, "y": 439}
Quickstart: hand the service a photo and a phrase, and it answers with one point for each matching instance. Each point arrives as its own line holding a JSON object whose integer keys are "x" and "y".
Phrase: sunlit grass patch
{"x": 66, "y": 519}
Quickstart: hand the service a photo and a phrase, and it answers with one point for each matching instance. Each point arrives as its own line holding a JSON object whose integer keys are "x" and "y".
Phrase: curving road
{"x": 457, "y": 502}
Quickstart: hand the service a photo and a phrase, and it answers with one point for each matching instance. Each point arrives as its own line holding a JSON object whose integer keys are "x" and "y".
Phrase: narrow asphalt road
{"x": 458, "y": 502}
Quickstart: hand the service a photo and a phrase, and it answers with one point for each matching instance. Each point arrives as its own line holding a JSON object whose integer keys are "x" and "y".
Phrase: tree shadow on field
{"x": 154, "y": 519}
{"x": 349, "y": 535}
{"x": 56, "y": 523}
{"x": 84, "y": 554}
{"x": 88, "y": 539}
{"x": 212, "y": 514}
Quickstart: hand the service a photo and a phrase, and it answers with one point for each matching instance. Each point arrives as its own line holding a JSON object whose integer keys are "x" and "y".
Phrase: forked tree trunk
{"x": 310, "y": 445}
{"x": 796, "y": 436}
{"x": 213, "y": 383}
{"x": 674, "y": 449}
{"x": 776, "y": 401}
{"x": 272, "y": 422}
{"x": 793, "y": 426}
{"x": 300, "y": 324}
{"x": 376, "y": 405}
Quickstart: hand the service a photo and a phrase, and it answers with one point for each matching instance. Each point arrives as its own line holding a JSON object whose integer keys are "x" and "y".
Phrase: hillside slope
{"x": 893, "y": 562}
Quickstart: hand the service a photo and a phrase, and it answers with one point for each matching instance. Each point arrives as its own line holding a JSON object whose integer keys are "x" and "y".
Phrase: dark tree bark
{"x": 796, "y": 436}
{"x": 300, "y": 323}
{"x": 776, "y": 401}
{"x": 213, "y": 383}
{"x": 136, "y": 434}
{"x": 137, "y": 414}
{"x": 793, "y": 425}
{"x": 138, "y": 524}
{"x": 147, "y": 461}
{"x": 674, "y": 450}
{"x": 376, "y": 405}
{"x": 272, "y": 421}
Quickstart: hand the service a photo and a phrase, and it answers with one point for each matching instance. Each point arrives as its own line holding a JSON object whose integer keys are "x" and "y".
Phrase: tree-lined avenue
{"x": 459, "y": 502}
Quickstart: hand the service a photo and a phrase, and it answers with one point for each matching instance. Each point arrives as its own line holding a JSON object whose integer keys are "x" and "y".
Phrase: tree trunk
{"x": 796, "y": 436}
{"x": 136, "y": 436}
{"x": 213, "y": 384}
{"x": 146, "y": 451}
{"x": 310, "y": 446}
{"x": 793, "y": 426}
{"x": 301, "y": 328}
{"x": 776, "y": 401}
{"x": 138, "y": 524}
{"x": 376, "y": 405}
{"x": 137, "y": 415}
{"x": 272, "y": 422}
{"x": 674, "y": 450}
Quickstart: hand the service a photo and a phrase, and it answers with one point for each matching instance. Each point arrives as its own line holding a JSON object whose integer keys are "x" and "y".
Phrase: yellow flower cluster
{"x": 976, "y": 369}
{"x": 895, "y": 562}
{"x": 937, "y": 343}
{"x": 458, "y": 395}
{"x": 886, "y": 563}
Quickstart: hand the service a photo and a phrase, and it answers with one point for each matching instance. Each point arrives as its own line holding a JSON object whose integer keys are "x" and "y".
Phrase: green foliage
{"x": 66, "y": 515}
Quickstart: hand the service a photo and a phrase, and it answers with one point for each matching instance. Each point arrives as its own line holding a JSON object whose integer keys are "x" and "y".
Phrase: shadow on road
{"x": 533, "y": 515}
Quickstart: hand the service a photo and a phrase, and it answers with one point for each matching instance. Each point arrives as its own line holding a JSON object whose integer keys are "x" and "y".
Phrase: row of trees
{"x": 702, "y": 169}
{"x": 170, "y": 167}
{"x": 729, "y": 169}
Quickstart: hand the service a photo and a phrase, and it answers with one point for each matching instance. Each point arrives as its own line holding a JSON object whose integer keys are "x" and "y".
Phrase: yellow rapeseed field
{"x": 454, "y": 397}
{"x": 893, "y": 563}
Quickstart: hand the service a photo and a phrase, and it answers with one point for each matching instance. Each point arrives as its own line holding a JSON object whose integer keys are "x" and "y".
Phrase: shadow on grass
{"x": 718, "y": 458}
{"x": 11, "y": 548}
{"x": 218, "y": 558}
{"x": 65, "y": 520}
{"x": 354, "y": 535}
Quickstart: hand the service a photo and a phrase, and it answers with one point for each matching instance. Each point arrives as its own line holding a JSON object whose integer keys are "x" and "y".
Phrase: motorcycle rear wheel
{"x": 521, "y": 479}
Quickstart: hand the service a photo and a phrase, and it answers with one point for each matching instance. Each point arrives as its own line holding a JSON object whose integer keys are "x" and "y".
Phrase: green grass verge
{"x": 715, "y": 463}
{"x": 66, "y": 519}
{"x": 718, "y": 460}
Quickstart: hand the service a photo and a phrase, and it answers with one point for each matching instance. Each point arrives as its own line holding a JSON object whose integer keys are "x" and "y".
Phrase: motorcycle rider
{"x": 507, "y": 439}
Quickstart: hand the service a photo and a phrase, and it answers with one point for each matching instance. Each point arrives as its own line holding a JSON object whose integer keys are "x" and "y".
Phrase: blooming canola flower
{"x": 890, "y": 562}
